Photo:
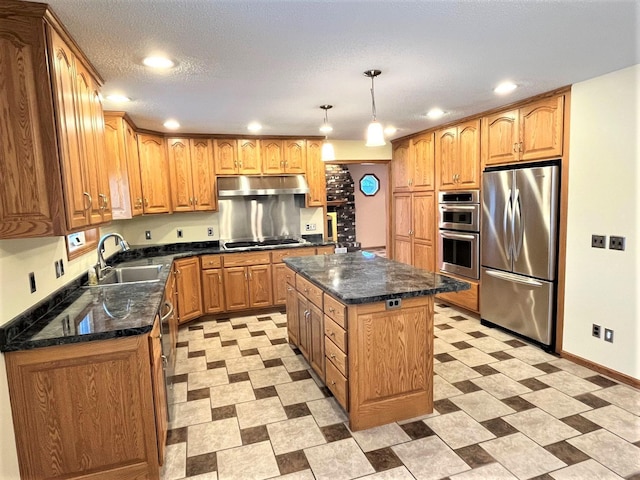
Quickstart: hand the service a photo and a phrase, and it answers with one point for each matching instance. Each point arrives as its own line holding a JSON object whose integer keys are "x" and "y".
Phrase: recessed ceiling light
{"x": 390, "y": 130}
{"x": 171, "y": 124}
{"x": 156, "y": 61}
{"x": 117, "y": 98}
{"x": 505, "y": 87}
{"x": 435, "y": 113}
{"x": 254, "y": 127}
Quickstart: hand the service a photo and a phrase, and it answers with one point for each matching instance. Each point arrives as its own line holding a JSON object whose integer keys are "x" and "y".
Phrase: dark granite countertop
{"x": 78, "y": 313}
{"x": 362, "y": 277}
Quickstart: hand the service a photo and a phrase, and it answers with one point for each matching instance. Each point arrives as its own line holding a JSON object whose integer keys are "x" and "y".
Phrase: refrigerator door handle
{"x": 517, "y": 216}
{"x": 510, "y": 277}
{"x": 505, "y": 229}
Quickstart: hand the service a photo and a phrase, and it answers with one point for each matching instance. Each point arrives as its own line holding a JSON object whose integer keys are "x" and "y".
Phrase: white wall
{"x": 371, "y": 212}
{"x": 356, "y": 150}
{"x": 604, "y": 177}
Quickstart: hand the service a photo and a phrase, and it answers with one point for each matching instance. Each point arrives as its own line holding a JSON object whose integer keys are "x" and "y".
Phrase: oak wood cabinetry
{"x": 414, "y": 229}
{"x": 293, "y": 322}
{"x": 237, "y": 156}
{"x": 279, "y": 271}
{"x": 189, "y": 288}
{"x": 123, "y": 166}
{"x": 310, "y": 321}
{"x": 249, "y": 161}
{"x": 96, "y": 409}
{"x": 159, "y": 389}
{"x": 532, "y": 132}
{"x": 53, "y": 134}
{"x": 212, "y": 284}
{"x": 317, "y": 196}
{"x": 247, "y": 280}
{"x": 154, "y": 174}
{"x": 469, "y": 299}
{"x": 283, "y": 156}
{"x": 458, "y": 156}
{"x": 412, "y": 163}
{"x": 192, "y": 176}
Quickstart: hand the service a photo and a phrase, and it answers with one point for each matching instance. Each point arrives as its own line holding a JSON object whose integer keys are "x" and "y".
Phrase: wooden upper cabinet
{"x": 401, "y": 166}
{"x": 204, "y": 179}
{"x": 133, "y": 169}
{"x": 181, "y": 176}
{"x": 192, "y": 176}
{"x": 458, "y": 156}
{"x": 532, "y": 132}
{"x": 272, "y": 156}
{"x": 422, "y": 152}
{"x": 295, "y": 156}
{"x": 541, "y": 129}
{"x": 249, "y": 162}
{"x": 316, "y": 178}
{"x": 154, "y": 173}
{"x": 225, "y": 156}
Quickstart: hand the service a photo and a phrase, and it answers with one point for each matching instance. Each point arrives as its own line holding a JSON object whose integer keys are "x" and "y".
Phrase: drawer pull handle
{"x": 332, "y": 356}
{"x": 333, "y": 383}
{"x": 332, "y": 310}
{"x": 332, "y": 334}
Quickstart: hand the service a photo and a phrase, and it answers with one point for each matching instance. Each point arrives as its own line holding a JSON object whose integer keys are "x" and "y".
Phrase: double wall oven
{"x": 459, "y": 233}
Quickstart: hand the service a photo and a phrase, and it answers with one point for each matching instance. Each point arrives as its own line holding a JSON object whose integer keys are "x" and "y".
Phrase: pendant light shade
{"x": 327, "y": 153}
{"x": 375, "y": 134}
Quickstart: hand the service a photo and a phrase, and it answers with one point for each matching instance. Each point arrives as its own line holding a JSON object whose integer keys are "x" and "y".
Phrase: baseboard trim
{"x": 621, "y": 377}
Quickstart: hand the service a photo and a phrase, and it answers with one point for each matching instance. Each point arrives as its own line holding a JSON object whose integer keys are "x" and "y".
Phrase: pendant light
{"x": 328, "y": 154}
{"x": 375, "y": 135}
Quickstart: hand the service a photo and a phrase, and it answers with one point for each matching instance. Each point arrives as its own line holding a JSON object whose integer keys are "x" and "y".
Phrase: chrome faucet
{"x": 101, "y": 266}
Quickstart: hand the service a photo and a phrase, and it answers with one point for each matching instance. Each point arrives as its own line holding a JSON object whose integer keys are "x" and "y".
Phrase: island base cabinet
{"x": 84, "y": 410}
{"x": 390, "y": 362}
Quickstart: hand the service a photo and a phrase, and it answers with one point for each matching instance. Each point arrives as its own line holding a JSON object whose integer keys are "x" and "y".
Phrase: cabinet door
{"x": 189, "y": 288}
{"x": 541, "y": 129}
{"x": 402, "y": 215}
{"x": 181, "y": 177}
{"x": 304, "y": 336}
{"x": 249, "y": 162}
{"x": 171, "y": 296}
{"x": 225, "y": 156}
{"x": 502, "y": 138}
{"x": 272, "y": 156}
{"x": 293, "y": 324}
{"x": 317, "y": 196}
{"x": 423, "y": 217}
{"x": 159, "y": 389}
{"x": 236, "y": 290}
{"x": 77, "y": 197}
{"x": 133, "y": 167}
{"x": 422, "y": 157}
{"x": 447, "y": 157}
{"x": 204, "y": 179}
{"x": 402, "y": 250}
{"x": 116, "y": 161}
{"x": 469, "y": 155}
{"x": 401, "y": 166}
{"x": 213, "y": 291}
{"x": 260, "y": 291}
{"x": 154, "y": 173}
{"x": 96, "y": 133}
{"x": 278, "y": 271}
{"x": 424, "y": 255}
{"x": 316, "y": 346}
{"x": 295, "y": 156}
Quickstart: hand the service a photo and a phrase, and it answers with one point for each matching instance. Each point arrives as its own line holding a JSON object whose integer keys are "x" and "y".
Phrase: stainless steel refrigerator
{"x": 519, "y": 248}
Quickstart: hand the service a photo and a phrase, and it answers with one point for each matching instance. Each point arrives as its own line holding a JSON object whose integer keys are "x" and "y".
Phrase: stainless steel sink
{"x": 128, "y": 275}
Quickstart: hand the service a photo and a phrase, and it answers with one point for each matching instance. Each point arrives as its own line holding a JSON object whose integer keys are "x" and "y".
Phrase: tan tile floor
{"x": 246, "y": 406}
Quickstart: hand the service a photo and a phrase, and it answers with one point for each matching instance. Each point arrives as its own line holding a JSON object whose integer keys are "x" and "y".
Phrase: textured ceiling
{"x": 276, "y": 61}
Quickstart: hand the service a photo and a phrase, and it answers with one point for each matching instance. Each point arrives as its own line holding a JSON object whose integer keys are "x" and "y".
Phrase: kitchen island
{"x": 365, "y": 324}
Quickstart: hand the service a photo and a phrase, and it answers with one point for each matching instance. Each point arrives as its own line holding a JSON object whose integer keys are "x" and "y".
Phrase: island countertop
{"x": 362, "y": 277}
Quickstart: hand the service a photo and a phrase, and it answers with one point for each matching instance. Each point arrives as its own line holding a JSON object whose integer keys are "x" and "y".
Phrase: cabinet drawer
{"x": 244, "y": 259}
{"x": 336, "y": 310}
{"x": 290, "y": 276}
{"x": 466, "y": 298}
{"x": 335, "y": 356}
{"x": 336, "y": 333}
{"x": 211, "y": 261}
{"x": 278, "y": 255}
{"x": 338, "y": 384}
{"x": 313, "y": 293}
{"x": 326, "y": 250}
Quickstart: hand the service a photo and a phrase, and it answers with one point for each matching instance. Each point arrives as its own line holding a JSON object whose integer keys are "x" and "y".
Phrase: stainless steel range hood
{"x": 244, "y": 185}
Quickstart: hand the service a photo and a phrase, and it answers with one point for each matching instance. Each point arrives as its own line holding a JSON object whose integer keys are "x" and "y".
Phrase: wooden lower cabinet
{"x": 236, "y": 292}
{"x": 278, "y": 273}
{"x": 212, "y": 291}
{"x": 260, "y": 290}
{"x": 377, "y": 362}
{"x": 469, "y": 299}
{"x": 86, "y": 410}
{"x": 189, "y": 288}
{"x": 159, "y": 389}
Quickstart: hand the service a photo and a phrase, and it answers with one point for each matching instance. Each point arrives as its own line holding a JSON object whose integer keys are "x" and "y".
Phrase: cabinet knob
{"x": 333, "y": 383}
{"x": 515, "y": 147}
{"x": 520, "y": 147}
{"x": 332, "y": 334}
{"x": 195, "y": 199}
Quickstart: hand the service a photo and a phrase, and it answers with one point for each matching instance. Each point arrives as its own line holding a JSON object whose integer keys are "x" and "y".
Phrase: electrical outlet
{"x": 310, "y": 227}
{"x": 616, "y": 243}
{"x": 210, "y": 231}
{"x": 32, "y": 282}
{"x": 393, "y": 303}
{"x": 595, "y": 330}
{"x": 147, "y": 234}
{"x": 56, "y": 265}
{"x": 598, "y": 241}
{"x": 61, "y": 267}
{"x": 179, "y": 232}
{"x": 608, "y": 335}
